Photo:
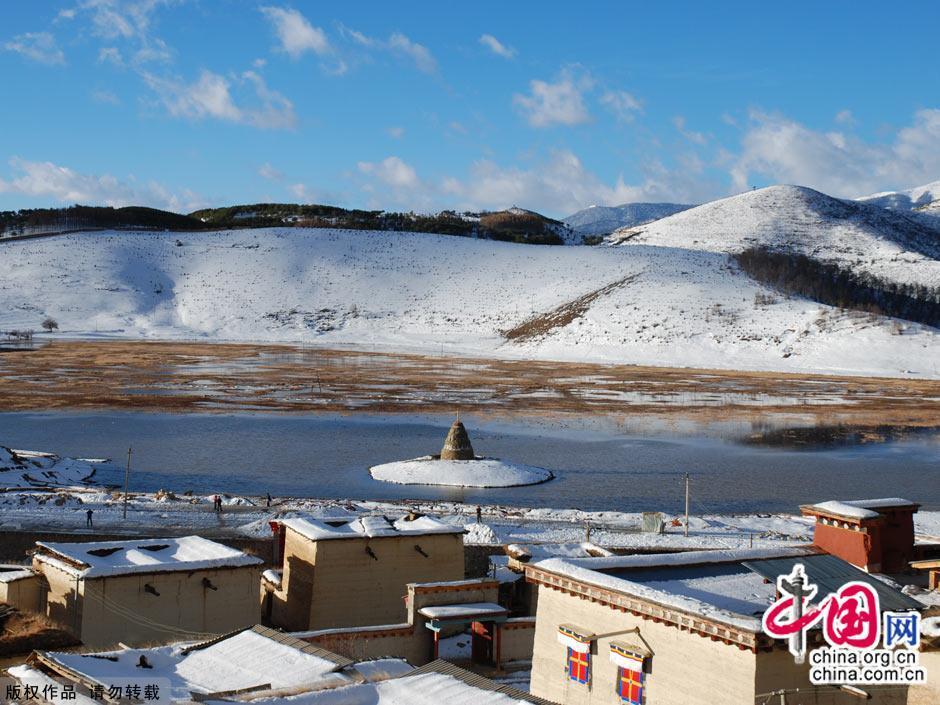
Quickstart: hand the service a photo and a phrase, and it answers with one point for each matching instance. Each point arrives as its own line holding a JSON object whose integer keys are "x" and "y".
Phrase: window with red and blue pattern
{"x": 630, "y": 685}
{"x": 579, "y": 666}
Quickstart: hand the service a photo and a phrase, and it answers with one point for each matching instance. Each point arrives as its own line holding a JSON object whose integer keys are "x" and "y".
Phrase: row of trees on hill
{"x": 77, "y": 217}
{"x": 515, "y": 225}
{"x": 511, "y": 226}
{"x": 828, "y": 283}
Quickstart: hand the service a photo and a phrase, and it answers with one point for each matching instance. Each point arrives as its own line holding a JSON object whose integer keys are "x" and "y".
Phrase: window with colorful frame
{"x": 579, "y": 666}
{"x": 630, "y": 685}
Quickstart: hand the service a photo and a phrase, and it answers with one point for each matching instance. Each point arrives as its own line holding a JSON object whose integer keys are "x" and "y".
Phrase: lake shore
{"x": 184, "y": 377}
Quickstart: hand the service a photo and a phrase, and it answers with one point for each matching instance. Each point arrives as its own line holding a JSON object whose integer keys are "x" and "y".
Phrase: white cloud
{"x": 691, "y": 135}
{"x": 397, "y": 43}
{"x": 391, "y": 171}
{"x": 296, "y": 34}
{"x": 153, "y": 51}
{"x": 622, "y": 104}
{"x": 782, "y": 150}
{"x": 124, "y": 19}
{"x": 559, "y": 103}
{"x": 497, "y": 47}
{"x": 110, "y": 55}
{"x": 210, "y": 96}
{"x": 103, "y": 96}
{"x": 418, "y": 53}
{"x": 845, "y": 117}
{"x": 37, "y": 46}
{"x": 267, "y": 171}
{"x": 396, "y": 132}
{"x": 301, "y": 193}
{"x": 62, "y": 184}
{"x": 562, "y": 185}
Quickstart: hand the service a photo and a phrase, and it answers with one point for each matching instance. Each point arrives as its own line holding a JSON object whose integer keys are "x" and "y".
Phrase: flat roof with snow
{"x": 859, "y": 509}
{"x": 109, "y": 558}
{"x": 464, "y": 611}
{"x": 10, "y": 573}
{"x": 435, "y": 683}
{"x": 369, "y": 527}
{"x": 253, "y": 658}
{"x": 710, "y": 584}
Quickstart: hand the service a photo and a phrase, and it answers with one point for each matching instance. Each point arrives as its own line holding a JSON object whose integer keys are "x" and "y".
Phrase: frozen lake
{"x": 597, "y": 467}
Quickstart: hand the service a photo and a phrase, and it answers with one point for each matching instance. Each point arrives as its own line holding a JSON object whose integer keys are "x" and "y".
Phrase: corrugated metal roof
{"x": 476, "y": 681}
{"x": 830, "y": 573}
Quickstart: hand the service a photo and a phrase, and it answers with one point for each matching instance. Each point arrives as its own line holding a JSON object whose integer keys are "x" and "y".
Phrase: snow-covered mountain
{"x": 921, "y": 199}
{"x": 856, "y": 235}
{"x": 677, "y": 300}
{"x": 921, "y": 202}
{"x": 603, "y": 220}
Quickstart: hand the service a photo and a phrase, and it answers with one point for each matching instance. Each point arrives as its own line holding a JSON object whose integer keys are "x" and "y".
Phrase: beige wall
{"x": 62, "y": 603}
{"x": 22, "y": 594}
{"x": 413, "y": 645}
{"x": 517, "y": 638}
{"x": 413, "y": 641}
{"x": 118, "y": 609}
{"x": 686, "y": 668}
{"x": 929, "y": 693}
{"x": 335, "y": 583}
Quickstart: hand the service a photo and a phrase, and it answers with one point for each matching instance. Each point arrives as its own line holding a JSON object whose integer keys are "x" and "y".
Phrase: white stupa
{"x": 458, "y": 466}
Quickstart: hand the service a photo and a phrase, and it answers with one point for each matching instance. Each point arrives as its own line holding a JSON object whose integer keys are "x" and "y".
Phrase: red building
{"x": 877, "y": 535}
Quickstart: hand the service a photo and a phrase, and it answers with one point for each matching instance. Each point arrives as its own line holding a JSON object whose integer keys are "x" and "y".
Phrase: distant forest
{"x": 827, "y": 283}
{"x": 78, "y": 217}
{"x": 511, "y": 226}
{"x": 514, "y": 225}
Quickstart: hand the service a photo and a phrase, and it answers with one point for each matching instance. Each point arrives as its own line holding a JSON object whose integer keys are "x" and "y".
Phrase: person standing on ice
{"x": 88, "y": 521}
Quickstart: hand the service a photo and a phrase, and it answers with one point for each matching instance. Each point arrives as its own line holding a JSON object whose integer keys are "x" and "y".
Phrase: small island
{"x": 458, "y": 466}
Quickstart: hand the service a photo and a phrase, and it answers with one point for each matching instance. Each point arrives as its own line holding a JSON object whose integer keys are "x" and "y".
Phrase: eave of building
{"x": 809, "y": 510}
{"x": 455, "y": 586}
{"x": 653, "y": 611}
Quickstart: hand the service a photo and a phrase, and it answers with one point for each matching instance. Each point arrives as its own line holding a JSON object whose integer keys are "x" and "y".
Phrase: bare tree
{"x": 50, "y": 324}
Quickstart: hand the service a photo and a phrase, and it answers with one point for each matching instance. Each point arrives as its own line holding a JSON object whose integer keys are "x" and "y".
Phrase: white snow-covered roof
{"x": 860, "y": 508}
{"x": 710, "y": 584}
{"x": 370, "y": 527}
{"x": 417, "y": 689}
{"x": 12, "y": 573}
{"x": 881, "y": 503}
{"x": 109, "y": 558}
{"x": 247, "y": 659}
{"x": 844, "y": 509}
{"x": 462, "y": 610}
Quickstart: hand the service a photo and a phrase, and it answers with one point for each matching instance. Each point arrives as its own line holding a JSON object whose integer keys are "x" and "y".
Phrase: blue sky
{"x": 423, "y": 105}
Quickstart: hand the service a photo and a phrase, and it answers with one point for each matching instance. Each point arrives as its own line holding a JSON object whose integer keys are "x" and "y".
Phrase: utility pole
{"x": 687, "y": 504}
{"x": 127, "y": 474}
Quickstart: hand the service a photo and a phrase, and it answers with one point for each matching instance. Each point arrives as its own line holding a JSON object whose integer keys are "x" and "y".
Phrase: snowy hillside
{"x": 603, "y": 220}
{"x": 920, "y": 197}
{"x": 673, "y": 303}
{"x": 858, "y": 236}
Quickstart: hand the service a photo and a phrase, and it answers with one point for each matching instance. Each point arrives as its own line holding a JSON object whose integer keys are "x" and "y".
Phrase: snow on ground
{"x": 863, "y": 237}
{"x": 601, "y": 220}
{"x": 27, "y": 468}
{"x": 924, "y": 200}
{"x": 543, "y": 532}
{"x": 675, "y": 302}
{"x": 481, "y": 472}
